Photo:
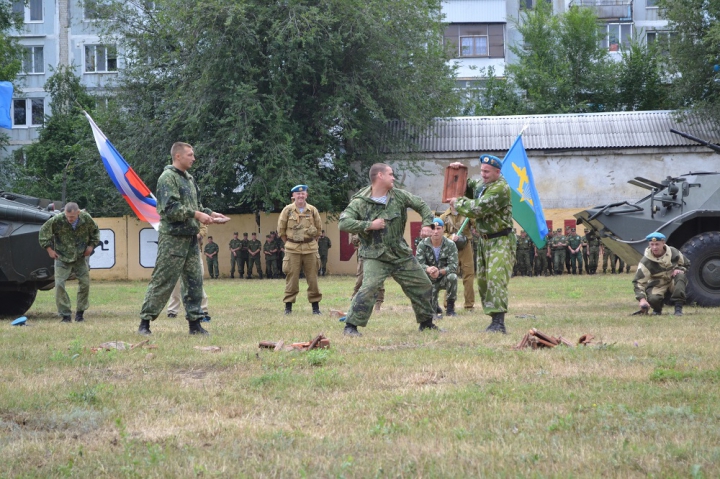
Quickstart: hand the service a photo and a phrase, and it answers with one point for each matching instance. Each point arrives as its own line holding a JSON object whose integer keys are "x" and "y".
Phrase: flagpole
{"x": 525, "y": 127}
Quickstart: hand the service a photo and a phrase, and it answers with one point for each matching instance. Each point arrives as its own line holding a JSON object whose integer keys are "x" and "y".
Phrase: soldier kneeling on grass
{"x": 661, "y": 275}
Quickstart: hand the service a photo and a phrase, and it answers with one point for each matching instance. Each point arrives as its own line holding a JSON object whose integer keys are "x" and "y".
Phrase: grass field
{"x": 643, "y": 401}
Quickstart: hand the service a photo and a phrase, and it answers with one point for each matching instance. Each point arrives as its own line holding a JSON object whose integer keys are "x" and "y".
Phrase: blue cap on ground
{"x": 655, "y": 237}
{"x": 20, "y": 321}
{"x": 299, "y": 188}
{"x": 491, "y": 160}
{"x": 342, "y": 319}
{"x": 439, "y": 222}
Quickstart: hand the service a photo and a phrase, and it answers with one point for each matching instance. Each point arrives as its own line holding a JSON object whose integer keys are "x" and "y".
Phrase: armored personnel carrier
{"x": 25, "y": 267}
{"x": 686, "y": 209}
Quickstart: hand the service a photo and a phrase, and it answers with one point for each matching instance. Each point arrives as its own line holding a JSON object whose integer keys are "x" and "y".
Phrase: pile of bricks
{"x": 536, "y": 340}
{"x": 319, "y": 342}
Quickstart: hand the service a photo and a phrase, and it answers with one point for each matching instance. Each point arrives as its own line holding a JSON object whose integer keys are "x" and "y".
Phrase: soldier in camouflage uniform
{"x": 254, "y": 250}
{"x": 70, "y": 238}
{"x": 244, "y": 255}
{"x": 466, "y": 261}
{"x": 558, "y": 246}
{"x": 211, "y": 251}
{"x": 438, "y": 255}
{"x": 280, "y": 245}
{"x": 575, "y": 248}
{"x": 378, "y": 214}
{"x": 593, "y": 247}
{"x": 181, "y": 213}
{"x": 324, "y": 246}
{"x": 176, "y": 295}
{"x": 661, "y": 273}
{"x": 270, "y": 251}
{"x": 492, "y": 210}
{"x": 299, "y": 225}
{"x": 524, "y": 246}
{"x": 235, "y": 245}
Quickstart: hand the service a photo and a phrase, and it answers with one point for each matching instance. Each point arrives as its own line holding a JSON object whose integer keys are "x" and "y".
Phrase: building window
{"x": 651, "y": 4}
{"x": 100, "y": 58}
{"x": 661, "y": 39}
{"x": 28, "y": 112}
{"x": 467, "y": 40}
{"x": 95, "y": 10}
{"x": 616, "y": 35}
{"x": 33, "y": 61}
{"x": 32, "y": 13}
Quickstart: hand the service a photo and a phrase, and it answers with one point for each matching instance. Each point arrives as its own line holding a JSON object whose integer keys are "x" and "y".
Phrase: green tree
{"x": 640, "y": 84}
{"x": 65, "y": 158}
{"x": 272, "y": 94}
{"x": 561, "y": 66}
{"x": 694, "y": 51}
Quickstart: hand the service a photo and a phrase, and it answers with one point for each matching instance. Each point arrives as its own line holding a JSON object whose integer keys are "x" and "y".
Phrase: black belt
{"x": 504, "y": 232}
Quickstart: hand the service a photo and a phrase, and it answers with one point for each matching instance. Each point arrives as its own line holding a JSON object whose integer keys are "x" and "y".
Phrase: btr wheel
{"x": 703, "y": 252}
{"x": 15, "y": 303}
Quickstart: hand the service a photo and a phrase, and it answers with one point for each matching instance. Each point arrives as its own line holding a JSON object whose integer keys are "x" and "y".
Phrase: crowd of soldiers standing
{"x": 567, "y": 253}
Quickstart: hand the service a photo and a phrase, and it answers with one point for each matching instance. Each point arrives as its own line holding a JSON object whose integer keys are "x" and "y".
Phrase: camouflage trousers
{"x": 254, "y": 261}
{"x": 62, "y": 273}
{"x": 540, "y": 263}
{"x": 593, "y": 259}
{"x": 235, "y": 260}
{"x": 359, "y": 275}
{"x": 449, "y": 283}
{"x": 176, "y": 299}
{"x": 212, "y": 264}
{"x": 576, "y": 262}
{"x": 558, "y": 260}
{"x": 409, "y": 275}
{"x": 656, "y": 292}
{"x": 271, "y": 267}
{"x": 523, "y": 262}
{"x": 177, "y": 257}
{"x": 494, "y": 265}
{"x": 323, "y": 263}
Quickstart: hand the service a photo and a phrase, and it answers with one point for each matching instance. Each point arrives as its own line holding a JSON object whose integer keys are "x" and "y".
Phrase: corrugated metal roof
{"x": 639, "y": 129}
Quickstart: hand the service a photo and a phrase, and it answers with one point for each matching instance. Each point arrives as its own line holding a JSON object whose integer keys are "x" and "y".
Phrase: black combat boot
{"x": 498, "y": 324}
{"x": 316, "y": 307}
{"x": 429, "y": 325}
{"x": 195, "y": 327}
{"x": 79, "y": 316}
{"x": 351, "y": 330}
{"x": 66, "y": 319}
{"x": 438, "y": 309}
{"x": 678, "y": 309}
{"x": 144, "y": 328}
{"x": 288, "y": 308}
{"x": 656, "y": 312}
{"x": 450, "y": 311}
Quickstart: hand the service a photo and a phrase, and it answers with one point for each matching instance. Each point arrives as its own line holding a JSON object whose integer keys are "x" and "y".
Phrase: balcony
{"x": 608, "y": 9}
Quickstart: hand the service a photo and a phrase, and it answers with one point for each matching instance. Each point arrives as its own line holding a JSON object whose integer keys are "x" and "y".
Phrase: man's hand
{"x": 432, "y": 271}
{"x": 426, "y": 231}
{"x": 644, "y": 304}
{"x": 377, "y": 224}
{"x": 455, "y": 165}
{"x": 203, "y": 218}
{"x": 676, "y": 272}
{"x": 454, "y": 237}
{"x": 52, "y": 253}
{"x": 219, "y": 218}
{"x": 88, "y": 251}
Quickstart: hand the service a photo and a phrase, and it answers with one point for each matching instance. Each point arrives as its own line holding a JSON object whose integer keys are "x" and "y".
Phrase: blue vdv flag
{"x": 6, "y": 93}
{"x": 527, "y": 209}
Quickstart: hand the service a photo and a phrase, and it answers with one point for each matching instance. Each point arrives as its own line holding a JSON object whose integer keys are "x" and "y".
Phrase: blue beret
{"x": 438, "y": 221}
{"x": 655, "y": 237}
{"x": 20, "y": 321}
{"x": 491, "y": 160}
{"x": 298, "y": 188}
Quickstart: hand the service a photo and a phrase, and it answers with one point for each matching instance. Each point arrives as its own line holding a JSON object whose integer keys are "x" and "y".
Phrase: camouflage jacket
{"x": 593, "y": 242}
{"x": 574, "y": 241}
{"x": 652, "y": 271}
{"x": 270, "y": 250}
{"x": 448, "y": 258}
{"x": 178, "y": 198}
{"x": 491, "y": 208}
{"x": 324, "y": 245}
{"x": 235, "y": 244}
{"x": 254, "y": 245}
{"x": 524, "y": 244}
{"x": 388, "y": 242}
{"x": 70, "y": 244}
{"x": 211, "y": 248}
{"x": 558, "y": 241}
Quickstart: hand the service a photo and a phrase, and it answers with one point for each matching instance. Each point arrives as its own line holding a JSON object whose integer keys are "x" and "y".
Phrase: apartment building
{"x": 55, "y": 33}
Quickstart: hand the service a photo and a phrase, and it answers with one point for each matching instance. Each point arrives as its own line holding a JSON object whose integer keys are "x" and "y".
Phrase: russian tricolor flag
{"x": 128, "y": 183}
